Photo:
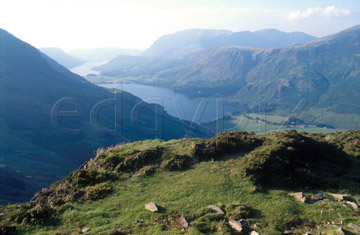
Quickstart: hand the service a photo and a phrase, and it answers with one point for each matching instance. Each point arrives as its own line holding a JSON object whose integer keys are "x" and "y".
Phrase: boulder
{"x": 300, "y": 197}
{"x": 353, "y": 205}
{"x": 237, "y": 226}
{"x": 151, "y": 207}
{"x": 342, "y": 197}
{"x": 317, "y": 197}
{"x": 182, "y": 222}
{"x": 84, "y": 230}
{"x": 254, "y": 233}
{"x": 216, "y": 210}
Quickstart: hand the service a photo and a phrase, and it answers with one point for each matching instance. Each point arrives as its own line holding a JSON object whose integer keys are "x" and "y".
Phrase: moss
{"x": 236, "y": 211}
{"x": 177, "y": 162}
{"x": 97, "y": 191}
{"x": 82, "y": 177}
{"x": 147, "y": 170}
{"x": 291, "y": 159}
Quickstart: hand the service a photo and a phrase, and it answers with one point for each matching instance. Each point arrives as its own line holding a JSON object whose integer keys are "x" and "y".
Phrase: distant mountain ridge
{"x": 322, "y": 74}
{"x": 61, "y": 57}
{"x": 174, "y": 49}
{"x": 102, "y": 54}
{"x": 190, "y": 42}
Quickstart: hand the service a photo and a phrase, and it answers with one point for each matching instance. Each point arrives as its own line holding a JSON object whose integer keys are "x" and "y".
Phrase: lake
{"x": 86, "y": 68}
{"x": 176, "y": 104}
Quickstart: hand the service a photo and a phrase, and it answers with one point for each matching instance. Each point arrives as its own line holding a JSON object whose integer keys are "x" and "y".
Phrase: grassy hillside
{"x": 35, "y": 143}
{"x": 248, "y": 176}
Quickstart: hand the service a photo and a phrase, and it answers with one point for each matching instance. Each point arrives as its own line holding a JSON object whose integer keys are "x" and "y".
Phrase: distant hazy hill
{"x": 190, "y": 42}
{"x": 37, "y": 152}
{"x": 102, "y": 54}
{"x": 61, "y": 57}
{"x": 322, "y": 74}
{"x": 174, "y": 49}
{"x": 126, "y": 65}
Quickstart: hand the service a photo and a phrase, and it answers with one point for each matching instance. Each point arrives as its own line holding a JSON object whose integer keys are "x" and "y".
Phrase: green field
{"x": 256, "y": 123}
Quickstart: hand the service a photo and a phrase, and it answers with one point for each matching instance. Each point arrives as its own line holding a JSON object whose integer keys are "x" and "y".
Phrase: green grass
{"x": 259, "y": 124}
{"x": 214, "y": 177}
{"x": 182, "y": 193}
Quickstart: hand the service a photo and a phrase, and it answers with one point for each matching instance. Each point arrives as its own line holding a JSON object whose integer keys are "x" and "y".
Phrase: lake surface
{"x": 178, "y": 105}
{"x": 86, "y": 68}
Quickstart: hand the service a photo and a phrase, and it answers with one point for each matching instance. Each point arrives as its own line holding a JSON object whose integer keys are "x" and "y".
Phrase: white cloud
{"x": 330, "y": 11}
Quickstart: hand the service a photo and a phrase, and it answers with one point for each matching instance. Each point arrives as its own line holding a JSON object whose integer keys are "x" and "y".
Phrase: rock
{"x": 237, "y": 226}
{"x": 288, "y": 232}
{"x": 182, "y": 222}
{"x": 151, "y": 207}
{"x": 216, "y": 210}
{"x": 343, "y": 232}
{"x": 254, "y": 233}
{"x": 355, "y": 227}
{"x": 84, "y": 230}
{"x": 317, "y": 197}
{"x": 342, "y": 197}
{"x": 140, "y": 221}
{"x": 290, "y": 148}
{"x": 353, "y": 205}
{"x": 299, "y": 196}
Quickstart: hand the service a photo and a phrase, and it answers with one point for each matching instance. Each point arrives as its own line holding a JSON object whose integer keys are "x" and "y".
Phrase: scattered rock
{"x": 216, "y": 210}
{"x": 151, "y": 207}
{"x": 355, "y": 227}
{"x": 237, "y": 226}
{"x": 84, "y": 230}
{"x": 317, "y": 197}
{"x": 353, "y": 205}
{"x": 300, "y": 197}
{"x": 342, "y": 197}
{"x": 290, "y": 148}
{"x": 254, "y": 233}
{"x": 182, "y": 222}
{"x": 140, "y": 221}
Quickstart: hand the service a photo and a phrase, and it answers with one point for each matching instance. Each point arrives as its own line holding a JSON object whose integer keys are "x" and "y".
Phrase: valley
{"x": 179, "y": 117}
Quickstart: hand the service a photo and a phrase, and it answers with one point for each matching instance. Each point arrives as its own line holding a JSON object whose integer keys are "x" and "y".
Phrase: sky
{"x": 136, "y": 24}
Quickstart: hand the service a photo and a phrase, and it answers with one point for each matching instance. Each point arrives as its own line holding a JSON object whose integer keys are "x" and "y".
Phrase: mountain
{"x": 189, "y": 43}
{"x": 175, "y": 49}
{"x": 126, "y": 65}
{"x": 322, "y": 75}
{"x": 275, "y": 183}
{"x": 185, "y": 43}
{"x": 61, "y": 57}
{"x": 102, "y": 54}
{"x": 51, "y": 120}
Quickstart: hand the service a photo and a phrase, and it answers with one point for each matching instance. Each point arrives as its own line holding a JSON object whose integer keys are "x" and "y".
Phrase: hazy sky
{"x": 136, "y": 24}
